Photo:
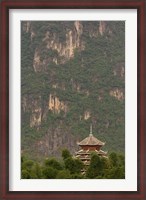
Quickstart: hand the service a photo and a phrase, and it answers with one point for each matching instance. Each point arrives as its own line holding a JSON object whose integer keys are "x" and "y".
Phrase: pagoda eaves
{"x": 89, "y": 145}
{"x": 91, "y": 141}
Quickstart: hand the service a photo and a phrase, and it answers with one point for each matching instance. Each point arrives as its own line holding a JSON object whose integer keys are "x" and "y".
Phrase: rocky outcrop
{"x": 102, "y": 27}
{"x": 54, "y": 142}
{"x": 65, "y": 49}
{"x": 37, "y": 64}
{"x": 33, "y": 106}
{"x": 117, "y": 93}
{"x": 119, "y": 70}
{"x": 38, "y": 108}
{"x": 87, "y": 115}
{"x": 36, "y": 117}
{"x": 26, "y": 27}
{"x": 36, "y": 113}
{"x": 55, "y": 105}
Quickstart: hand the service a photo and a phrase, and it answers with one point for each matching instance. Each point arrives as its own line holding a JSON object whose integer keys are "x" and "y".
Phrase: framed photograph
{"x": 72, "y": 100}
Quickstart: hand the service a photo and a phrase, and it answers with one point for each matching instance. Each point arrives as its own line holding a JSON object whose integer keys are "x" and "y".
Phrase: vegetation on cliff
{"x": 72, "y": 74}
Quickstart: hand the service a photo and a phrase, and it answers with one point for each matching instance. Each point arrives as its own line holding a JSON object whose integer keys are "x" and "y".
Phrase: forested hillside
{"x": 72, "y": 75}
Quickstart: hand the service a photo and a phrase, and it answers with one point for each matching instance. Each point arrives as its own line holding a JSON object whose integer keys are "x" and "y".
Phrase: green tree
{"x": 25, "y": 174}
{"x": 27, "y": 164}
{"x": 49, "y": 173}
{"x": 114, "y": 159}
{"x": 97, "y": 167}
{"x": 116, "y": 173}
{"x": 36, "y": 171}
{"x": 64, "y": 174}
{"x": 30, "y": 169}
{"x": 116, "y": 168}
{"x": 66, "y": 154}
{"x": 77, "y": 176}
{"x": 73, "y": 165}
{"x": 53, "y": 163}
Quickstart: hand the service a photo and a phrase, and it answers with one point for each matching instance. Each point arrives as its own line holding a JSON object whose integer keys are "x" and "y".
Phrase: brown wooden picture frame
{"x": 140, "y": 5}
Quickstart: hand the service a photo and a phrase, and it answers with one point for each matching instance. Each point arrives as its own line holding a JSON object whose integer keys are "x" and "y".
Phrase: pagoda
{"x": 88, "y": 146}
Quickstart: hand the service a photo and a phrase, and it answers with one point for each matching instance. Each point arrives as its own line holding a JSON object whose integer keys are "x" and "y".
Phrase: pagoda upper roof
{"x": 91, "y": 140}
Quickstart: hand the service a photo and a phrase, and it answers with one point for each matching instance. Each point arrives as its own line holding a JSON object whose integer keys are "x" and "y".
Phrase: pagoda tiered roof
{"x": 88, "y": 146}
{"x": 91, "y": 141}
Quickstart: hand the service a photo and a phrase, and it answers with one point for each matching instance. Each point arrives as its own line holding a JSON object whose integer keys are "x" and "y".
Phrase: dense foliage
{"x": 71, "y": 168}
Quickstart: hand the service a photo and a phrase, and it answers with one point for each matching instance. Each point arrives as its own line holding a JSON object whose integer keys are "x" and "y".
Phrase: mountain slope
{"x": 72, "y": 75}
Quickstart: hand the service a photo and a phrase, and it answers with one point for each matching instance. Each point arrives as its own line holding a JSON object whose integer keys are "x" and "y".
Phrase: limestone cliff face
{"x": 34, "y": 108}
{"x": 65, "y": 50}
{"x": 119, "y": 70}
{"x": 47, "y": 147}
{"x": 55, "y": 105}
{"x": 117, "y": 93}
{"x": 36, "y": 117}
{"x": 38, "y": 109}
{"x": 102, "y": 27}
{"x": 87, "y": 115}
{"x": 65, "y": 75}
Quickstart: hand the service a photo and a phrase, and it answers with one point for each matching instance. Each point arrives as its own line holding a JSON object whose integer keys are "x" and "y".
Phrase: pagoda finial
{"x": 91, "y": 130}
